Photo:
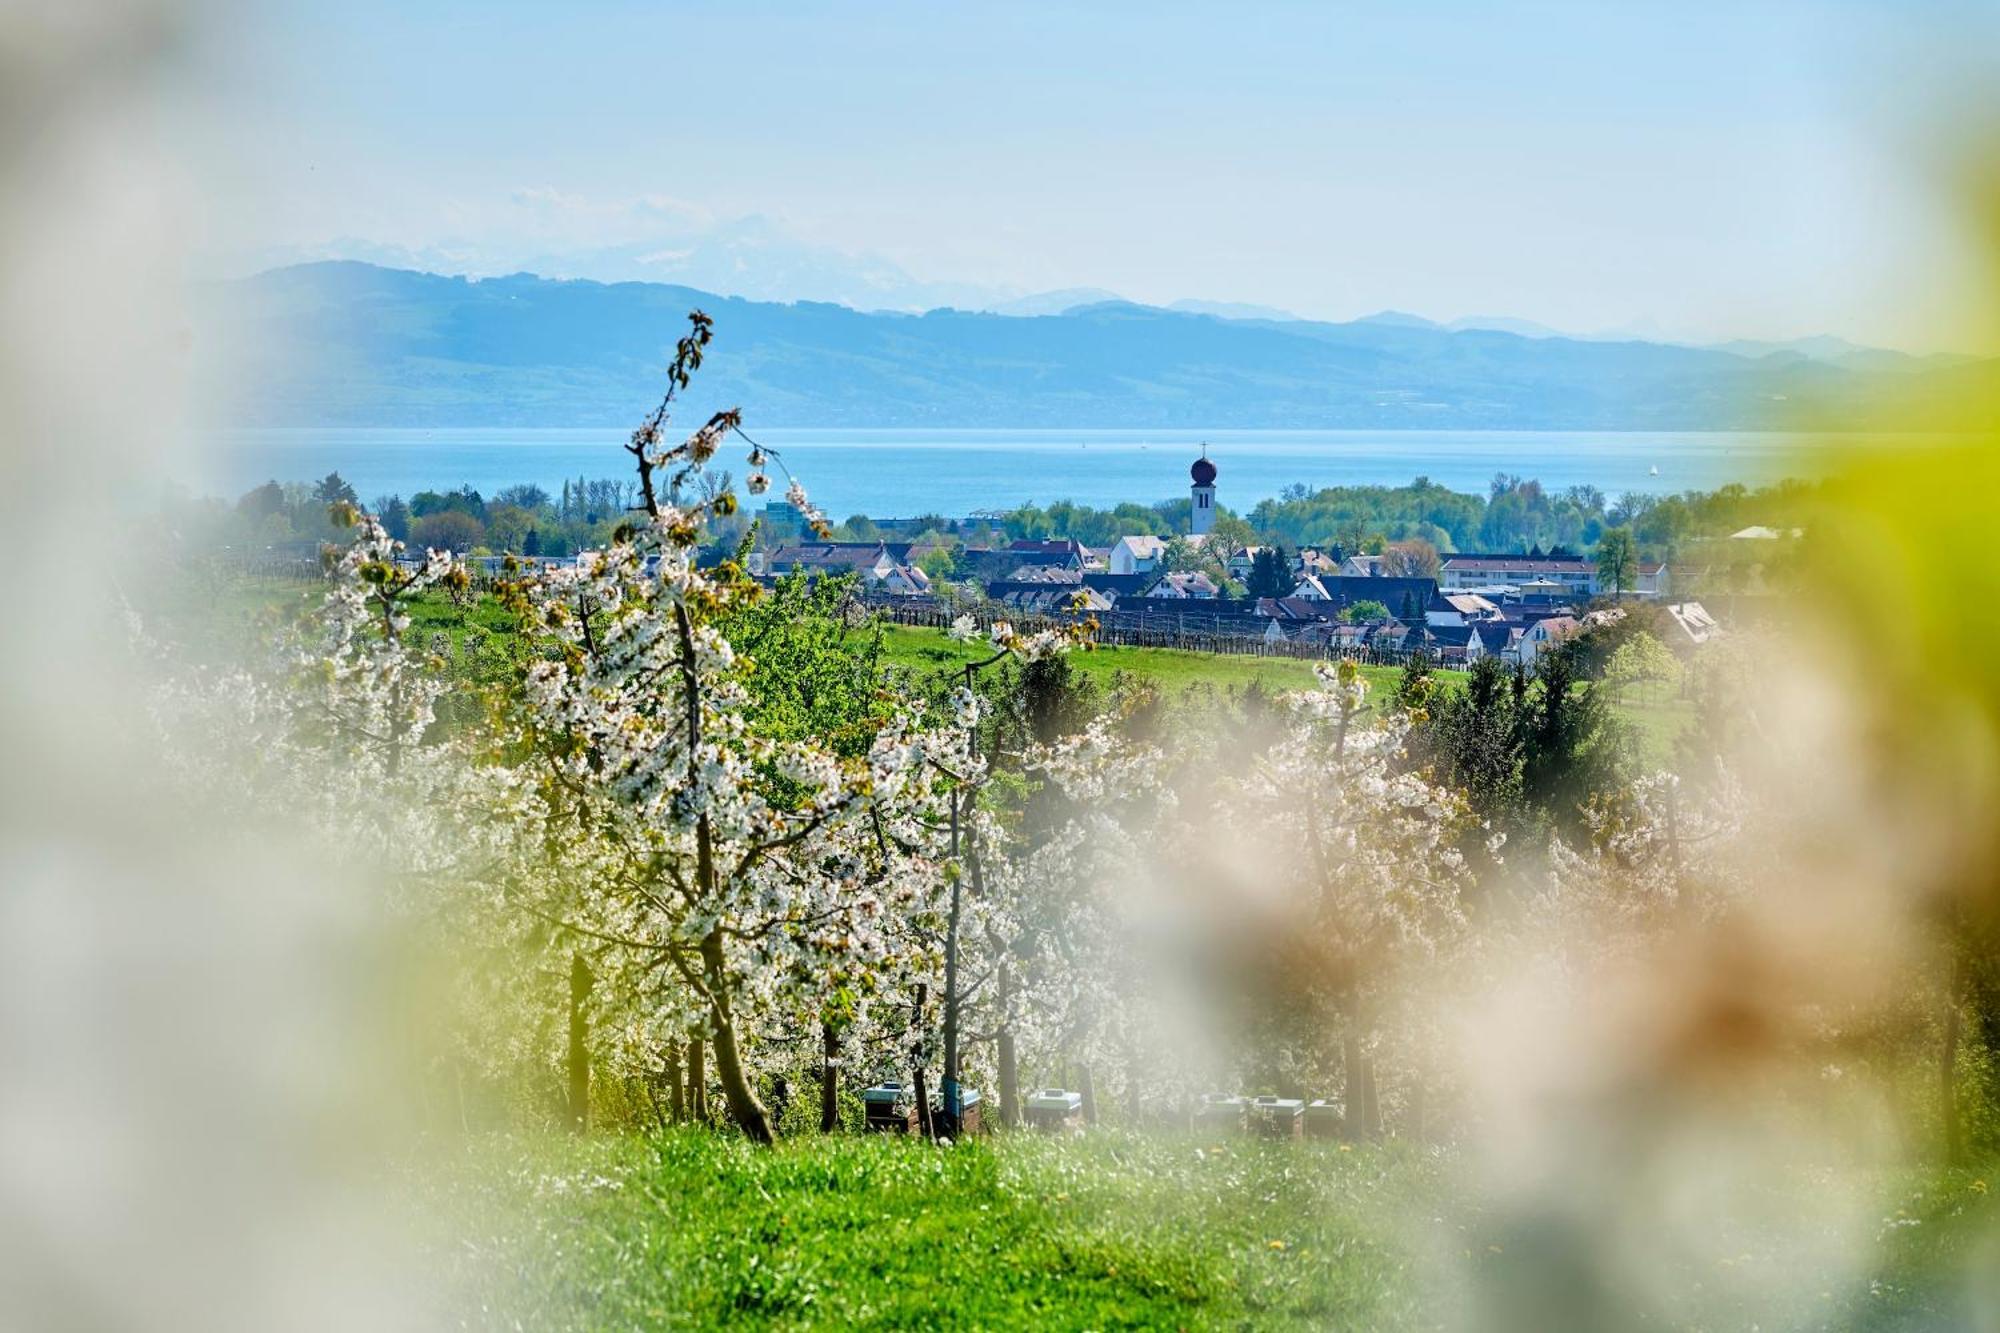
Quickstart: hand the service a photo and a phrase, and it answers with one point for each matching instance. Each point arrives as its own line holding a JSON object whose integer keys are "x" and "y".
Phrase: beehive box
{"x": 1325, "y": 1120}
{"x": 1055, "y": 1109}
{"x": 1219, "y": 1111}
{"x": 1277, "y": 1117}
{"x": 967, "y": 1121}
{"x": 887, "y": 1109}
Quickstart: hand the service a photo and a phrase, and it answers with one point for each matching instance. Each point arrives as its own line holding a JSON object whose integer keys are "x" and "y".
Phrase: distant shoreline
{"x": 913, "y": 471}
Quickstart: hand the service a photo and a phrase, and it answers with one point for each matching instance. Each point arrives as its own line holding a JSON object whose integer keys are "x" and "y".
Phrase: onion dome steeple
{"x": 1201, "y": 516}
{"x": 1203, "y": 471}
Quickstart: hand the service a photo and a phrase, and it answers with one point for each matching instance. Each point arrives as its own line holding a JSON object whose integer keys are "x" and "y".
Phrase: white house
{"x": 1241, "y": 563}
{"x": 1575, "y": 574}
{"x": 1543, "y": 635}
{"x": 1694, "y": 621}
{"x": 877, "y": 566}
{"x": 1456, "y": 609}
{"x": 1186, "y": 583}
{"x": 1455, "y": 643}
{"x": 901, "y": 581}
{"x": 1361, "y": 566}
{"x": 1137, "y": 555}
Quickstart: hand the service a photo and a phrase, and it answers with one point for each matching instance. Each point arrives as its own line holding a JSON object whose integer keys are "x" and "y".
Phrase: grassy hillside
{"x": 1657, "y": 718}
{"x": 1171, "y": 668}
{"x": 699, "y": 1231}
{"x": 1111, "y": 1230}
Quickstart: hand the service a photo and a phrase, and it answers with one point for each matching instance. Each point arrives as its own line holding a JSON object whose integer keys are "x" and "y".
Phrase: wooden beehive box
{"x": 1325, "y": 1120}
{"x": 967, "y": 1121}
{"x": 1277, "y": 1117}
{"x": 1055, "y": 1109}
{"x": 887, "y": 1109}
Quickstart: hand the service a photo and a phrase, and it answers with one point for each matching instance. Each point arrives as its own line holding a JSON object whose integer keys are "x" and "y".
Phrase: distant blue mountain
{"x": 1398, "y": 319}
{"x": 346, "y": 343}
{"x": 1230, "y": 310}
{"x": 1052, "y": 303}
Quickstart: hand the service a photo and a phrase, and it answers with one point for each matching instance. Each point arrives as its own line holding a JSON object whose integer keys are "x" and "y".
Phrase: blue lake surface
{"x": 899, "y": 473}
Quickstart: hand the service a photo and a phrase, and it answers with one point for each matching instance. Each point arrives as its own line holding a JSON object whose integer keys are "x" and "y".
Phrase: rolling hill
{"x": 345, "y": 343}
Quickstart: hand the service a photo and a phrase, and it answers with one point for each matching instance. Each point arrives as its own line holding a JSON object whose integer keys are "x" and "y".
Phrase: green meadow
{"x": 695, "y": 1229}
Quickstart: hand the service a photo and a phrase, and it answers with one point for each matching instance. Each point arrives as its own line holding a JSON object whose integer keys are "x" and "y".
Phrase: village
{"x": 1323, "y": 601}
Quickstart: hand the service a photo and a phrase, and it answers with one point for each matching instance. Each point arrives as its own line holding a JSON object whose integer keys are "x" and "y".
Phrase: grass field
{"x": 1657, "y": 717}
{"x": 1172, "y": 669}
{"x": 1111, "y": 1230}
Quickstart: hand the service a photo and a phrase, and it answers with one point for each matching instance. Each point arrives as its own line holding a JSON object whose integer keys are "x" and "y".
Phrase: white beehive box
{"x": 1219, "y": 1110}
{"x": 1055, "y": 1108}
{"x": 1277, "y": 1117}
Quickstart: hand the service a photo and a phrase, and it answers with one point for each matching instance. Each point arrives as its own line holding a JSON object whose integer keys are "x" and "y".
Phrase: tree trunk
{"x": 781, "y": 1099}
{"x": 748, "y": 1112}
{"x": 917, "y": 1060}
{"x": 1954, "y": 1139}
{"x": 736, "y": 1090}
{"x": 580, "y": 982}
{"x": 744, "y": 1108}
{"x": 924, "y": 1125}
{"x": 829, "y": 1079}
{"x": 697, "y": 1075}
{"x": 1088, "y": 1087}
{"x": 646, "y": 1081}
{"x": 676, "y": 1089}
{"x": 949, "y": 1080}
{"x": 1371, "y": 1117}
{"x": 1353, "y": 1100}
{"x": 1010, "y": 1069}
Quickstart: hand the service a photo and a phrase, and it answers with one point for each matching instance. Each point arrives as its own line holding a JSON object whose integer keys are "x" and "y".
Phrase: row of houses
{"x": 1511, "y": 605}
{"x": 1357, "y": 609}
{"x": 885, "y": 569}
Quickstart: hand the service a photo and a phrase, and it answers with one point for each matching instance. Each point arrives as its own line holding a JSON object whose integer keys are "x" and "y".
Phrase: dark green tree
{"x": 1479, "y": 741}
{"x": 1617, "y": 561}
{"x": 395, "y": 516}
{"x": 333, "y": 489}
{"x": 262, "y": 502}
{"x": 1270, "y": 573}
{"x": 817, "y": 666}
{"x": 1569, "y": 743}
{"x": 1365, "y": 611}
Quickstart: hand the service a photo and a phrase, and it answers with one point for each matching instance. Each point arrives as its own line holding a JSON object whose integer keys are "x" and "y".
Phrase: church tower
{"x": 1202, "y": 517}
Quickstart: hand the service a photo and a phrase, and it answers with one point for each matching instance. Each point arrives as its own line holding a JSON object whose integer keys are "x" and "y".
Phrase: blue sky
{"x": 1704, "y": 170}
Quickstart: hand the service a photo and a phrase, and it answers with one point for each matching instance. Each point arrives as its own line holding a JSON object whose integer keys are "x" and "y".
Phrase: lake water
{"x": 899, "y": 473}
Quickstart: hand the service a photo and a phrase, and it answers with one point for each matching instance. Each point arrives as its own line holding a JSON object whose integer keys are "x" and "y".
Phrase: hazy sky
{"x": 1706, "y": 169}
